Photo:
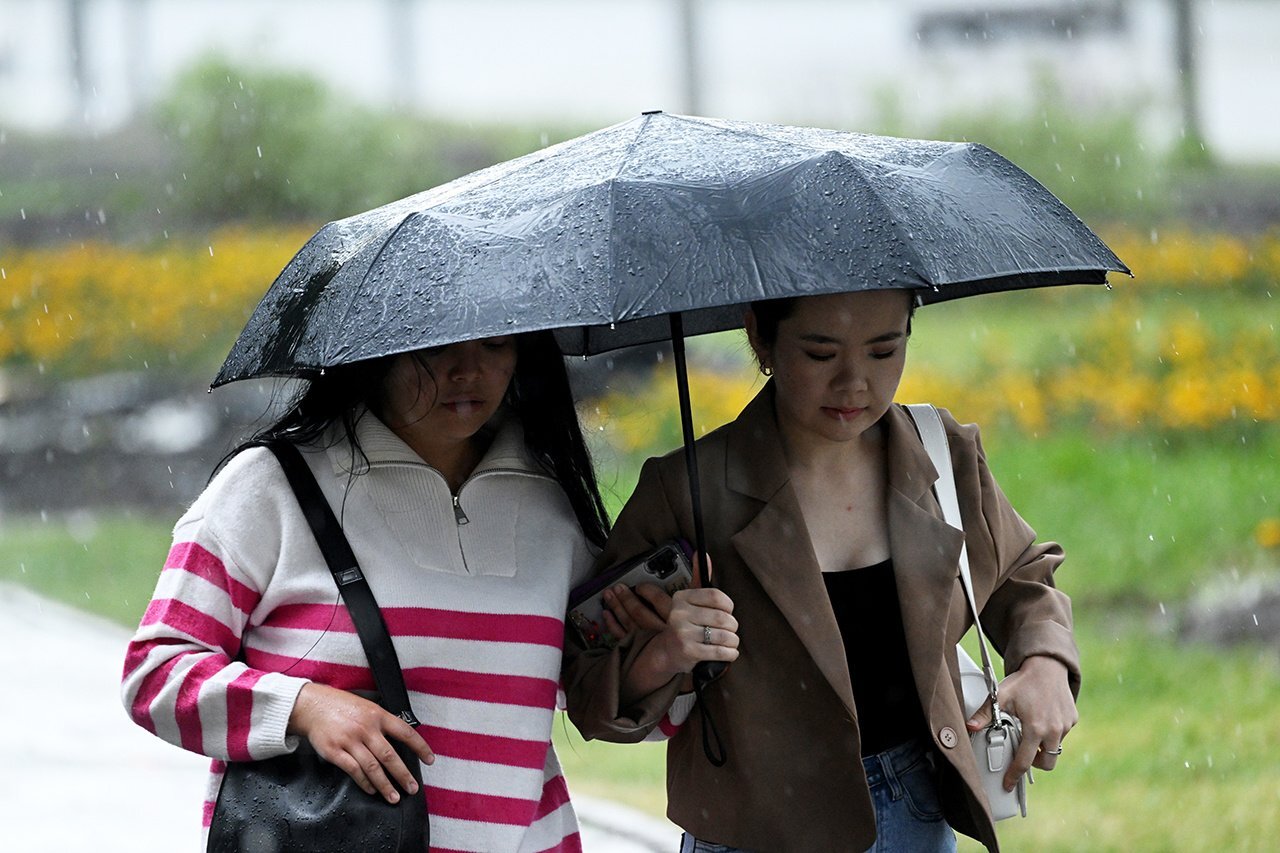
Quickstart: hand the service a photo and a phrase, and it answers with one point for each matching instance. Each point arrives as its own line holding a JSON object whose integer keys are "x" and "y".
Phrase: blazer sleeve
{"x": 593, "y": 679}
{"x": 1023, "y": 612}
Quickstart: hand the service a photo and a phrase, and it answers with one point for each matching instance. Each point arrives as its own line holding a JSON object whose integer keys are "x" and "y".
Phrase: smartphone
{"x": 669, "y": 566}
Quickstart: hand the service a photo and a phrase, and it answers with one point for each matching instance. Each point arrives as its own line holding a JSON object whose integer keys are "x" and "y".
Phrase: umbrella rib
{"x": 359, "y": 288}
{"x": 543, "y": 155}
{"x": 742, "y": 131}
{"x": 631, "y": 147}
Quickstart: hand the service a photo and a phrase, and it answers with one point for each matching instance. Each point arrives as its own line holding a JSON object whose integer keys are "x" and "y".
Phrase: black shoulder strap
{"x": 351, "y": 583}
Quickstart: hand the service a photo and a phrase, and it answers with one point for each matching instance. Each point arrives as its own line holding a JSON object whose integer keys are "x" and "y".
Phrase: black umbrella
{"x": 604, "y": 236}
{"x": 657, "y": 227}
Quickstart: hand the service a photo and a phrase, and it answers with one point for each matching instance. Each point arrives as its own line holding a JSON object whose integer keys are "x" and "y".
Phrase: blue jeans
{"x": 904, "y": 792}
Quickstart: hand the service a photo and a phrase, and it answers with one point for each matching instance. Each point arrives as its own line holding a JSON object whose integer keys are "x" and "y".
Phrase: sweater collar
{"x": 382, "y": 447}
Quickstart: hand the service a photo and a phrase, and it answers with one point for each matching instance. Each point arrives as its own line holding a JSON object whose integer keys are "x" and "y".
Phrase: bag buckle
{"x": 348, "y": 576}
{"x": 997, "y": 743}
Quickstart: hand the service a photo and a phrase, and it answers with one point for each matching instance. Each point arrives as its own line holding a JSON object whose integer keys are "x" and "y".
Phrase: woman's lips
{"x": 842, "y": 414}
{"x": 463, "y": 407}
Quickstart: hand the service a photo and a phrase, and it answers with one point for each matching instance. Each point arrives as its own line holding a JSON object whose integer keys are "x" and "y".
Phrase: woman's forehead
{"x": 856, "y": 311}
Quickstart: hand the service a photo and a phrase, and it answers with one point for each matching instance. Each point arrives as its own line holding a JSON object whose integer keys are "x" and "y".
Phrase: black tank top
{"x": 865, "y": 602}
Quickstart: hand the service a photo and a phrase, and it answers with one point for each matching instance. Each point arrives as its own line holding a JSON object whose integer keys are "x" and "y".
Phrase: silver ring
{"x": 1057, "y": 751}
{"x": 706, "y": 634}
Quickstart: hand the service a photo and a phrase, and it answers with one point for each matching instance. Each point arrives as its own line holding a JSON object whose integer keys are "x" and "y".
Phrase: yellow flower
{"x": 1268, "y": 533}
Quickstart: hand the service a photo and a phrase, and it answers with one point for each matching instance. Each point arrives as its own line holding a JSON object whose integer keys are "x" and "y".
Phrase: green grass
{"x": 1142, "y": 521}
{"x": 107, "y": 564}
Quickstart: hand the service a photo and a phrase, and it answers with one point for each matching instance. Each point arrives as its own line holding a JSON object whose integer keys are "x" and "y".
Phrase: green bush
{"x": 263, "y": 144}
{"x": 1096, "y": 162}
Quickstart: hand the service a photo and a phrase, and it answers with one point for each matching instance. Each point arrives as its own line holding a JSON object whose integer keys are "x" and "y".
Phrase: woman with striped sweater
{"x": 463, "y": 483}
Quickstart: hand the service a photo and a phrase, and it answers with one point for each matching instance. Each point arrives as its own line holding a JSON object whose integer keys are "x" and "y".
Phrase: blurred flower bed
{"x": 1208, "y": 357}
{"x": 87, "y": 307}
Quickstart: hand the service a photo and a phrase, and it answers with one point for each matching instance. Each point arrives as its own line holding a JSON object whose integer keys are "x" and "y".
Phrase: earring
{"x": 766, "y": 370}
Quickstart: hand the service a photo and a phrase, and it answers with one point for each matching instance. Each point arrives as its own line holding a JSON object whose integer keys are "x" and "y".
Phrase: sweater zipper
{"x": 460, "y": 515}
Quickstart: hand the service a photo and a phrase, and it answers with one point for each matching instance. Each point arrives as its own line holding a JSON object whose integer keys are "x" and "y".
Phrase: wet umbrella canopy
{"x": 602, "y": 237}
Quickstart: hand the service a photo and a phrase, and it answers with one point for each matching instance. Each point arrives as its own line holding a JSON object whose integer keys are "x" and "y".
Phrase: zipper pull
{"x": 458, "y": 514}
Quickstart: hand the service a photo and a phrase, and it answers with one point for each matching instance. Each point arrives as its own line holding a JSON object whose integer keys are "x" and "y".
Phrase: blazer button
{"x": 947, "y": 737}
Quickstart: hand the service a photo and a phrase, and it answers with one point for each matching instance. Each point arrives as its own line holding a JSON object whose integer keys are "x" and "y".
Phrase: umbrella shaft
{"x": 690, "y": 452}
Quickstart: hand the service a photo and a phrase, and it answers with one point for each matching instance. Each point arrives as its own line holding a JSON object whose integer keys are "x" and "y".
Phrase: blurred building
{"x": 90, "y": 64}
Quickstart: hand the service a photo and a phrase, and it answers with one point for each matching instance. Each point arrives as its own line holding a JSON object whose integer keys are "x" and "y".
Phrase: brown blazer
{"x": 785, "y": 709}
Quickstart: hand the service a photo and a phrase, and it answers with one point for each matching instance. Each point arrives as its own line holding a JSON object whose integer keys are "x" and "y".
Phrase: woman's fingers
{"x": 980, "y": 717}
{"x": 612, "y": 626}
{"x": 1046, "y": 757}
{"x": 658, "y": 600}
{"x": 712, "y": 599}
{"x": 407, "y": 734}
{"x": 705, "y": 626}
{"x": 383, "y": 766}
{"x": 632, "y": 608}
{"x": 371, "y": 765}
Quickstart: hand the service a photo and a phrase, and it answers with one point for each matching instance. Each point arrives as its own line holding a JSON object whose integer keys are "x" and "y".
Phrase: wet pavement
{"x": 77, "y": 774}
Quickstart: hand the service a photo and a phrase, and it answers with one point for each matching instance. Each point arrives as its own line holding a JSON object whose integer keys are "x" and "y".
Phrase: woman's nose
{"x": 466, "y": 361}
{"x": 849, "y": 376}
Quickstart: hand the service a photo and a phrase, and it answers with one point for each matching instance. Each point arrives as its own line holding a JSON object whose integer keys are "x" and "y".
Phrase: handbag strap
{"x": 355, "y": 591}
{"x": 934, "y": 437}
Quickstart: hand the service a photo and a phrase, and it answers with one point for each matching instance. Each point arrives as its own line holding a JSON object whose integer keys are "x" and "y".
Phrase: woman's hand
{"x": 1039, "y": 696}
{"x": 699, "y": 626}
{"x": 353, "y": 733}
{"x": 647, "y": 606}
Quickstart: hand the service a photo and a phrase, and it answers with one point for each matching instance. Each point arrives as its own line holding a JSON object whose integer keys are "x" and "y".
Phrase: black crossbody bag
{"x": 300, "y": 802}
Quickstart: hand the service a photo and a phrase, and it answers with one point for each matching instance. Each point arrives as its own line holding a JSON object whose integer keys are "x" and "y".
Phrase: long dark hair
{"x": 539, "y": 396}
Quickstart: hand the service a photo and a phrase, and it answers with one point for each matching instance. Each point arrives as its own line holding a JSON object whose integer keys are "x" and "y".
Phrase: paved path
{"x": 76, "y": 774}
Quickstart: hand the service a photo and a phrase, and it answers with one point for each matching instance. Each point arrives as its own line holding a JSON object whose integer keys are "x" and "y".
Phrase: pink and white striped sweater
{"x": 473, "y": 592}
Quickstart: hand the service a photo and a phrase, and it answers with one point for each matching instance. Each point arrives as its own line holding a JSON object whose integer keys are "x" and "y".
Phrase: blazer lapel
{"x": 926, "y": 553}
{"x": 775, "y": 544}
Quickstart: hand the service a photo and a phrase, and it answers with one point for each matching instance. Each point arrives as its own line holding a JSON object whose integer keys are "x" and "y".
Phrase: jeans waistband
{"x": 883, "y": 768}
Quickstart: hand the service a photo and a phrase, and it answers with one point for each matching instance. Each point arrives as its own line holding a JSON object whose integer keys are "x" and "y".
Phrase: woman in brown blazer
{"x": 837, "y": 604}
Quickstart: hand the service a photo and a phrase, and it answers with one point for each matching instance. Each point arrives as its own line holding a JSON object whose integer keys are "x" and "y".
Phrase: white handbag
{"x": 995, "y": 744}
